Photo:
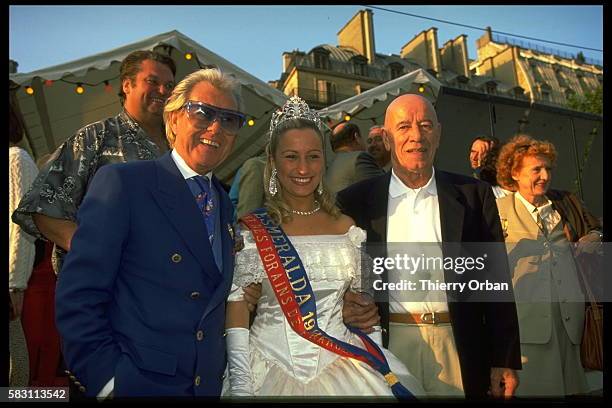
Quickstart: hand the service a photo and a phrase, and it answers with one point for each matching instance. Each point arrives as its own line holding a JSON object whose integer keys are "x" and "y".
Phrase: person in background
{"x": 488, "y": 172}
{"x": 376, "y": 147}
{"x": 49, "y": 208}
{"x": 351, "y": 163}
{"x": 38, "y": 316}
{"x": 479, "y": 148}
{"x": 250, "y": 186}
{"x": 539, "y": 224}
{"x": 22, "y": 172}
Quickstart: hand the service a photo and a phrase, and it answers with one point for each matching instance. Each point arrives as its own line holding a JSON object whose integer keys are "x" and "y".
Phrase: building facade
{"x": 329, "y": 73}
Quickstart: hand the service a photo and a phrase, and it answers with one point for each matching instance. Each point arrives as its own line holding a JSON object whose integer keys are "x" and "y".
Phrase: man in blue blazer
{"x": 140, "y": 300}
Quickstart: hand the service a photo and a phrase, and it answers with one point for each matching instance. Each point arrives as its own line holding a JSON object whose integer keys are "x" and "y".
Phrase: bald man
{"x": 457, "y": 347}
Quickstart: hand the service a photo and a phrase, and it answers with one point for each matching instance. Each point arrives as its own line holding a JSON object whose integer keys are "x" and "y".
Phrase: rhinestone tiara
{"x": 295, "y": 108}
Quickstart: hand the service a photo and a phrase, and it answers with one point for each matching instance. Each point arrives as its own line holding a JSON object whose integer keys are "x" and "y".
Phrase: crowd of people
{"x": 168, "y": 286}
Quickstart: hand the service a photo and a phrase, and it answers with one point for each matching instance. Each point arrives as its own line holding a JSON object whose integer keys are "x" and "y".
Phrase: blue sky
{"x": 254, "y": 37}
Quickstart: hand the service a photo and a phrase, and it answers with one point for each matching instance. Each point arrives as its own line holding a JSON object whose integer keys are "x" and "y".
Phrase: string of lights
{"x": 80, "y": 86}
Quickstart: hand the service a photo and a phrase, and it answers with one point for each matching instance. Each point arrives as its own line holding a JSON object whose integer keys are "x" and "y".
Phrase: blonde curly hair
{"x": 512, "y": 153}
{"x": 275, "y": 204}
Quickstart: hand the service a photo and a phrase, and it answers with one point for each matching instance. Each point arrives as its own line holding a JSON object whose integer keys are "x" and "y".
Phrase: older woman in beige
{"x": 539, "y": 225}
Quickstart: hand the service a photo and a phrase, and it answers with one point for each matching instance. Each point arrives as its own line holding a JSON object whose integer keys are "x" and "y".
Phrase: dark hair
{"x": 488, "y": 170}
{"x": 344, "y": 136}
{"x": 492, "y": 141}
{"x": 130, "y": 66}
{"x": 16, "y": 123}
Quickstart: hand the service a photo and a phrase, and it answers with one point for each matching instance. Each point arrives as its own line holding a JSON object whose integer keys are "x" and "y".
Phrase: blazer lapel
{"x": 451, "y": 225}
{"x": 377, "y": 203}
{"x": 177, "y": 202}
{"x": 451, "y": 210}
{"x": 524, "y": 221}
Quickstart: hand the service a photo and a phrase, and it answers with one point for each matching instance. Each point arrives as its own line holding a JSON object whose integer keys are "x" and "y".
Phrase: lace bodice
{"x": 332, "y": 263}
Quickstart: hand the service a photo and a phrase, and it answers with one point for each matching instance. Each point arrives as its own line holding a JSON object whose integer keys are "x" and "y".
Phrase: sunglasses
{"x": 202, "y": 115}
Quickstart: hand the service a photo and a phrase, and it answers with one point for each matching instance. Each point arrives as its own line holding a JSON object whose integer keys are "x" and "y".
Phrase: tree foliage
{"x": 590, "y": 102}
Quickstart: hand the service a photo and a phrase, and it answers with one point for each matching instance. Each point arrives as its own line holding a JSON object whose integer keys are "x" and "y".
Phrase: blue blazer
{"x": 139, "y": 297}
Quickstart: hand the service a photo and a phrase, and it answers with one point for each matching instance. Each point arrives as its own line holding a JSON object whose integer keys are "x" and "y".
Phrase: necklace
{"x": 317, "y": 208}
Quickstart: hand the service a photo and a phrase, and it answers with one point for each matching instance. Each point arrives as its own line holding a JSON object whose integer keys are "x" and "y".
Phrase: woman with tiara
{"x": 307, "y": 255}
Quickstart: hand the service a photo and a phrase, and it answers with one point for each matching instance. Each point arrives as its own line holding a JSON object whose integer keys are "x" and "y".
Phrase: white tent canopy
{"x": 367, "y": 106}
{"x": 55, "y": 111}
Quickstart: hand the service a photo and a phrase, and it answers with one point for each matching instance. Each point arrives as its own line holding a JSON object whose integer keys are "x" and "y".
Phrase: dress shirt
{"x": 413, "y": 217}
{"x": 550, "y": 216}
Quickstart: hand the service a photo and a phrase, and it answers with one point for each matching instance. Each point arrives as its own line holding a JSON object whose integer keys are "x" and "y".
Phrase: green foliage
{"x": 591, "y": 102}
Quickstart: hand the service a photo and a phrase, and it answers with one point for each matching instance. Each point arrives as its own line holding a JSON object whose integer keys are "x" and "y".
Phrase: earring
{"x": 320, "y": 188}
{"x": 273, "y": 188}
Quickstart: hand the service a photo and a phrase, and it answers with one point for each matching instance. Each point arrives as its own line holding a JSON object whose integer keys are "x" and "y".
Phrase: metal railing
{"x": 347, "y": 68}
{"x": 540, "y": 48}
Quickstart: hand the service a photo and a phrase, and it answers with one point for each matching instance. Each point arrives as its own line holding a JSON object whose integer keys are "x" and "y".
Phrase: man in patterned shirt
{"x": 49, "y": 208}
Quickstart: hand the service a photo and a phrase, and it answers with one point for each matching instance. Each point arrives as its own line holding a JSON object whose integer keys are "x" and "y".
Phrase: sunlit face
{"x": 203, "y": 149}
{"x": 299, "y": 162}
{"x": 412, "y": 133}
{"x": 533, "y": 176}
{"x": 376, "y": 146}
{"x": 147, "y": 94}
{"x": 478, "y": 152}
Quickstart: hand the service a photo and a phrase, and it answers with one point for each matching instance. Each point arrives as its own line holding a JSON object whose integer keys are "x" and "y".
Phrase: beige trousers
{"x": 430, "y": 354}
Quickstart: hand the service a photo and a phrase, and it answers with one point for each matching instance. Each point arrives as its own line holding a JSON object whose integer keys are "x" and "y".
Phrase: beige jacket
{"x": 543, "y": 272}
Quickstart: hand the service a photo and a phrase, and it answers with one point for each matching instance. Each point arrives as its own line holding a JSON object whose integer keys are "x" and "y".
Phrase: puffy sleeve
{"x": 248, "y": 267}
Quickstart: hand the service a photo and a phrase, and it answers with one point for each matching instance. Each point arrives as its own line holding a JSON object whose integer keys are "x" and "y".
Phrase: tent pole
{"x": 576, "y": 158}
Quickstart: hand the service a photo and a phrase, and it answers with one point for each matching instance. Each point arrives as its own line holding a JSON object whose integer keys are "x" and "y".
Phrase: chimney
{"x": 358, "y": 34}
{"x": 287, "y": 60}
{"x": 13, "y": 66}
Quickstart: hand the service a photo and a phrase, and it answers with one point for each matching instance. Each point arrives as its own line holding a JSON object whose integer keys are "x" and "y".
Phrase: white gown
{"x": 285, "y": 364}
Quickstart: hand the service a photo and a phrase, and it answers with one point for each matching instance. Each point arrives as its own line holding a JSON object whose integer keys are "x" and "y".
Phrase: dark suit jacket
{"x": 349, "y": 168}
{"x": 486, "y": 334}
{"x": 140, "y": 282}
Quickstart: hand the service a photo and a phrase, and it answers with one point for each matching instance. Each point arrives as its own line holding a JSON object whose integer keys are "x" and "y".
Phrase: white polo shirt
{"x": 413, "y": 216}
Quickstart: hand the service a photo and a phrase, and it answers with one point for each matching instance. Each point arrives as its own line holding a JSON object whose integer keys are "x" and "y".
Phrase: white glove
{"x": 376, "y": 336}
{"x": 237, "y": 342}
